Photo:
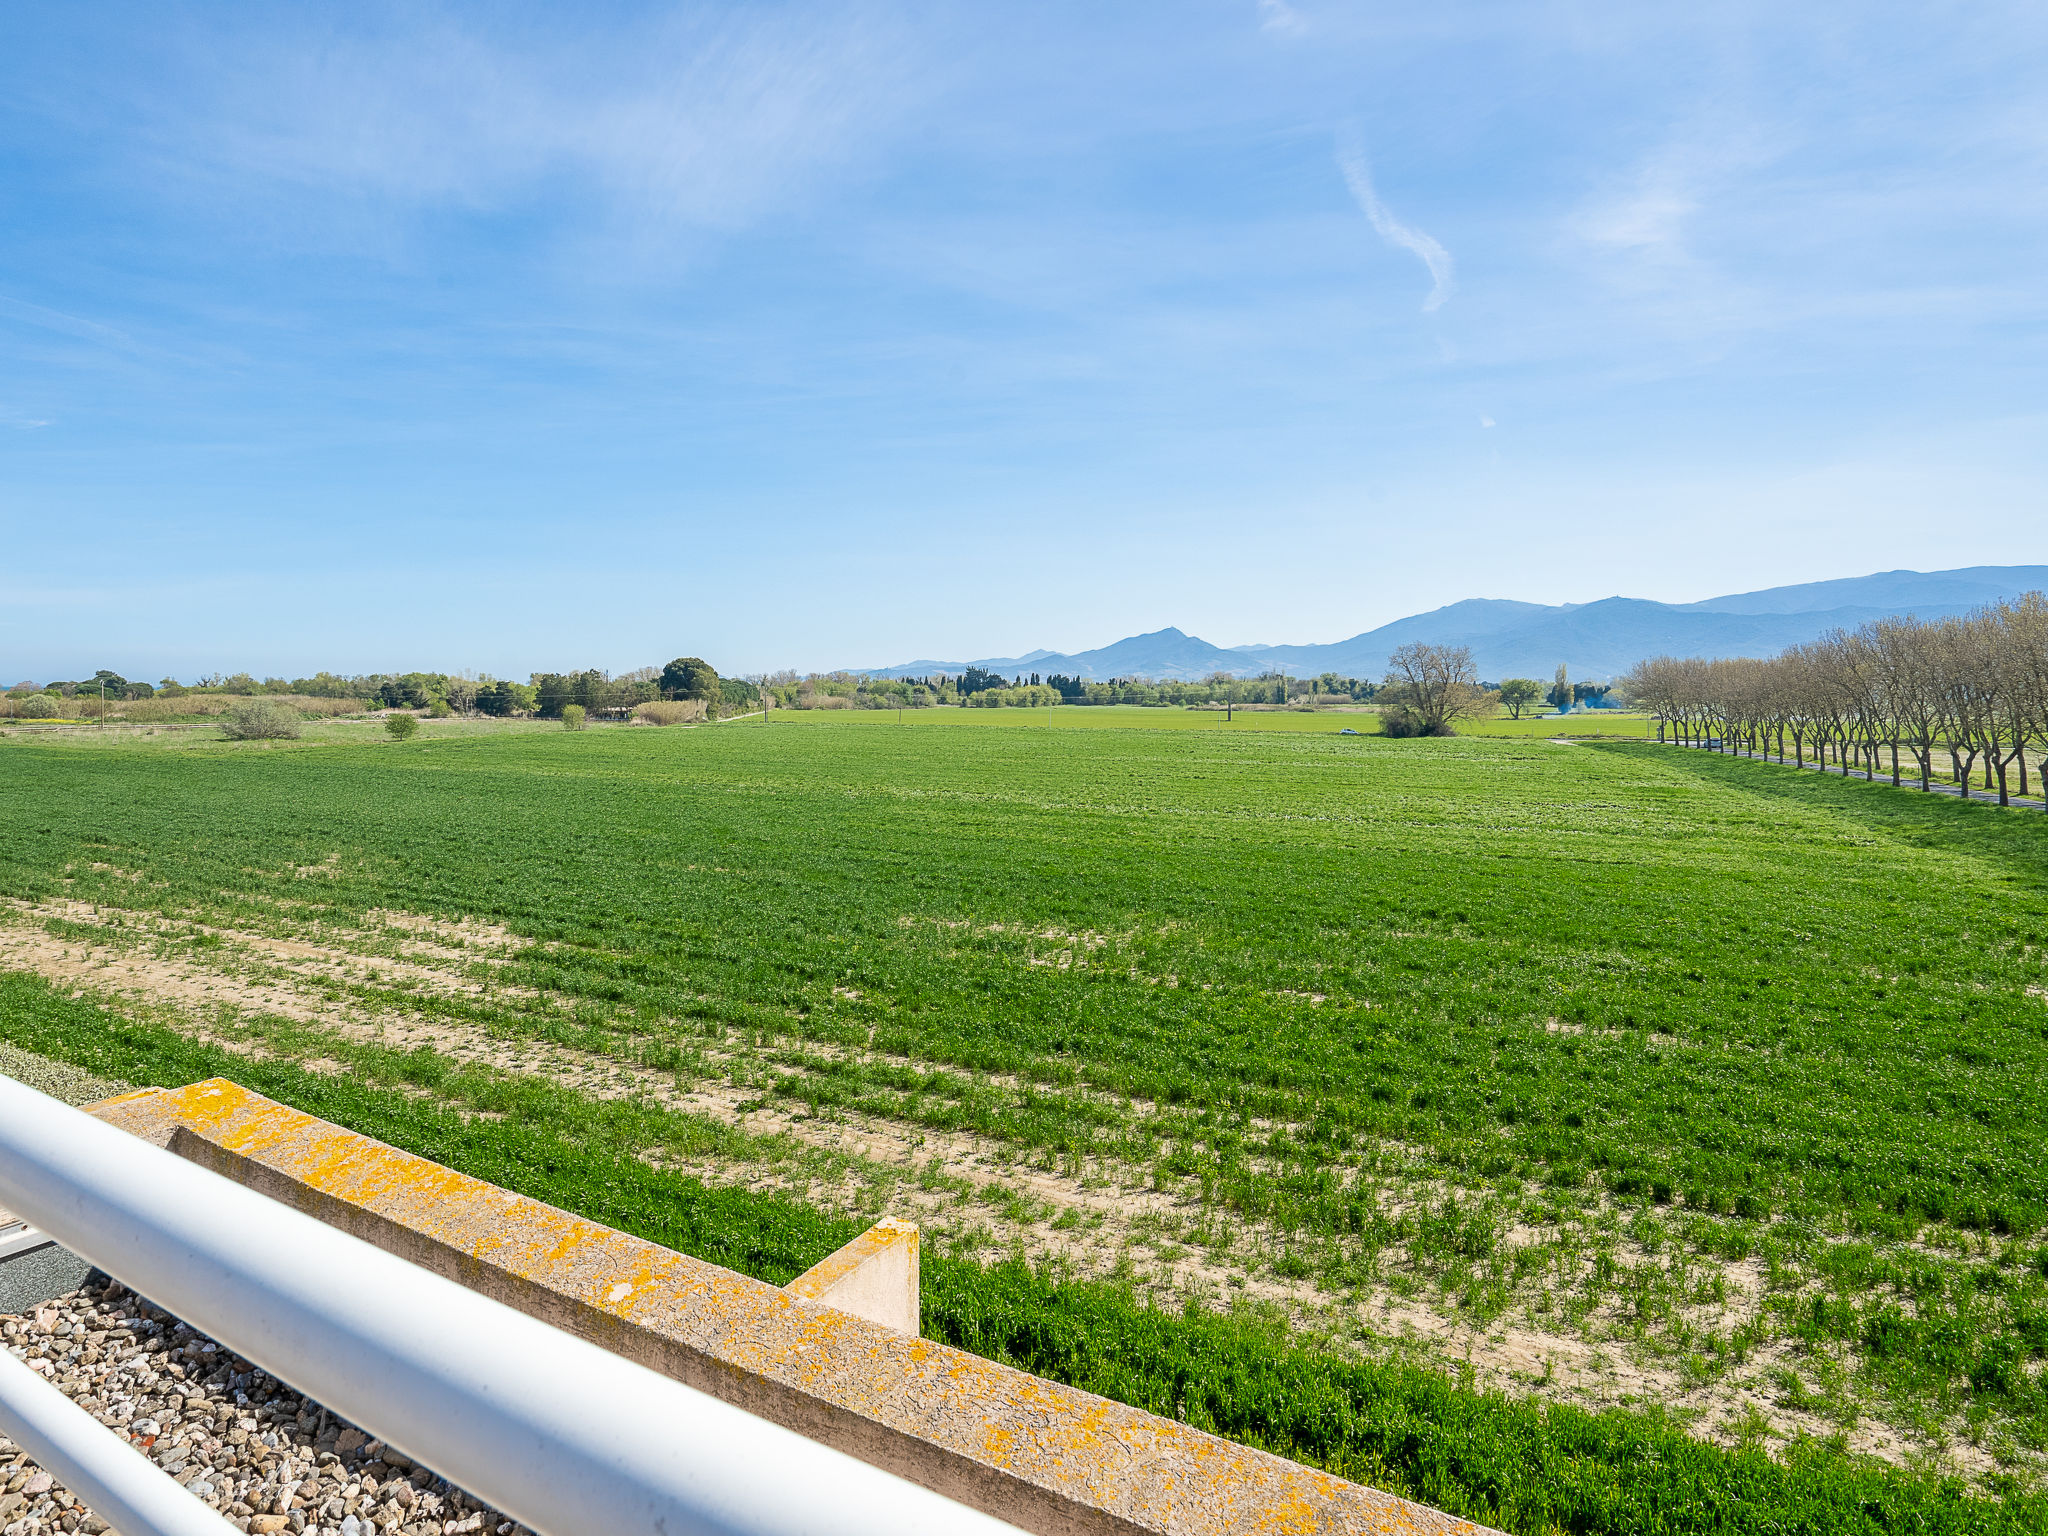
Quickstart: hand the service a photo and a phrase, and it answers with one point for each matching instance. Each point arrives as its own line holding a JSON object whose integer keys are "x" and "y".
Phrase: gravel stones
{"x": 268, "y": 1459}
{"x": 59, "y": 1079}
{"x": 49, "y": 1269}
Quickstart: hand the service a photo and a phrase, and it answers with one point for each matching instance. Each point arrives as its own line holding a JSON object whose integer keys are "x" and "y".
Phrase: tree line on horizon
{"x": 1412, "y": 676}
{"x": 979, "y": 688}
{"x": 545, "y": 694}
{"x": 1972, "y": 688}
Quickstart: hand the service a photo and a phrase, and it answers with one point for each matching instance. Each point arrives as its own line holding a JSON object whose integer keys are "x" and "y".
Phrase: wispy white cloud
{"x": 1426, "y": 249}
{"x": 1673, "y": 234}
{"x": 45, "y": 318}
{"x": 1649, "y": 219}
{"x": 1649, "y": 211}
{"x": 681, "y": 121}
{"x": 1278, "y": 16}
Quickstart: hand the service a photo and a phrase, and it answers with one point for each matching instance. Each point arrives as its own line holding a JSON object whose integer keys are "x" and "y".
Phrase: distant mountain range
{"x": 1511, "y": 639}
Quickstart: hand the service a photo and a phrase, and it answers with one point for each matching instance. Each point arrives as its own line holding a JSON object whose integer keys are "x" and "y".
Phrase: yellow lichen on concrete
{"x": 1046, "y": 1457}
{"x": 124, "y": 1098}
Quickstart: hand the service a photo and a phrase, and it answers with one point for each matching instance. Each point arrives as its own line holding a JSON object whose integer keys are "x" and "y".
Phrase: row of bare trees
{"x": 1973, "y": 690}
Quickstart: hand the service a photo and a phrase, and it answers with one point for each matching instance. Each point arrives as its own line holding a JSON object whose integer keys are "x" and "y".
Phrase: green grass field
{"x": 1598, "y": 724}
{"x": 1620, "y": 1076}
{"x": 1326, "y": 721}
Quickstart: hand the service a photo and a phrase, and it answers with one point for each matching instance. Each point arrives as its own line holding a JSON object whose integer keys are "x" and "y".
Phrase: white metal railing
{"x": 124, "y": 1489}
{"x": 562, "y": 1435}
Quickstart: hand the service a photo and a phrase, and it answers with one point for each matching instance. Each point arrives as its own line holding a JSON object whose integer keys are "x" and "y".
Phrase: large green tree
{"x": 1518, "y": 693}
{"x": 690, "y": 677}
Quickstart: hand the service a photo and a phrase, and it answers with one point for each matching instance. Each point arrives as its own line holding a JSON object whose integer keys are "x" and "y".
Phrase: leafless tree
{"x": 1428, "y": 687}
{"x": 1905, "y": 660}
{"x": 2023, "y": 673}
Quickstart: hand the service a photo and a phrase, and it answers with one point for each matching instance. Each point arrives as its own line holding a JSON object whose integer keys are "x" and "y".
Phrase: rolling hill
{"x": 1595, "y": 640}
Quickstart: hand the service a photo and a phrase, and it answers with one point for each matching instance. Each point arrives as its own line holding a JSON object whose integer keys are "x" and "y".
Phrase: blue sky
{"x": 506, "y": 337}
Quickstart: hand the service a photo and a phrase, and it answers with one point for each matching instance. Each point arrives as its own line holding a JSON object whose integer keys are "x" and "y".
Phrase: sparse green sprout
{"x": 573, "y": 717}
{"x": 401, "y": 725}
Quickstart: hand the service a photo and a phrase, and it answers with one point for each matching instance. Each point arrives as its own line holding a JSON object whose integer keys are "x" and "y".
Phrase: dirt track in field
{"x": 972, "y": 1193}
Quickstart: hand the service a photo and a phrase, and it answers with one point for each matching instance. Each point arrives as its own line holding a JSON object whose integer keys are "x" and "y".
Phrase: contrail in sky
{"x": 1358, "y": 176}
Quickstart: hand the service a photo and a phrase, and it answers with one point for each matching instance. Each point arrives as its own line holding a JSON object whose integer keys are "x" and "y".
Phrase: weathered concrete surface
{"x": 1043, "y": 1456}
{"x": 874, "y": 1276}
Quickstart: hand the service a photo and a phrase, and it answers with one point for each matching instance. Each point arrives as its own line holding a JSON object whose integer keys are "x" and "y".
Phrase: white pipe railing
{"x": 560, "y": 1434}
{"x": 123, "y": 1489}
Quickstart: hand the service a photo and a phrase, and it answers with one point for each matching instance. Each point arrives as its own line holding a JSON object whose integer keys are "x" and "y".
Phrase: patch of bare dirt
{"x": 453, "y": 933}
{"x": 151, "y": 955}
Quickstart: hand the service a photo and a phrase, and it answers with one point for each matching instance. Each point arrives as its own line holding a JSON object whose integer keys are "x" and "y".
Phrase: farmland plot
{"x": 1609, "y": 1073}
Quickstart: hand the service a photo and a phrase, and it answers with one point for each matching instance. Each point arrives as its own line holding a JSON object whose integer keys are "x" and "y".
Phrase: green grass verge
{"x": 1517, "y": 1465}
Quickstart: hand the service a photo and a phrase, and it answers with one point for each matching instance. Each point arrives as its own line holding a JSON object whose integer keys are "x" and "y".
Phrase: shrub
{"x": 38, "y": 706}
{"x": 572, "y": 716}
{"x": 669, "y": 711}
{"x": 401, "y": 725}
{"x": 261, "y": 720}
{"x": 1400, "y": 720}
{"x": 439, "y": 710}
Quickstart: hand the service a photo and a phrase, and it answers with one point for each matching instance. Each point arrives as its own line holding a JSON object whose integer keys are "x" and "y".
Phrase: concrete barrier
{"x": 832, "y": 1363}
{"x": 874, "y": 1276}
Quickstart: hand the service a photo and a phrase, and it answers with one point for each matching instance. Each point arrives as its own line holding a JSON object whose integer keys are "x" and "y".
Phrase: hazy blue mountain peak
{"x": 1511, "y": 638}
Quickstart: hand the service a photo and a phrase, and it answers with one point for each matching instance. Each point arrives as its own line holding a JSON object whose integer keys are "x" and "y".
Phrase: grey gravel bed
{"x": 249, "y": 1446}
{"x": 59, "y": 1079}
